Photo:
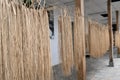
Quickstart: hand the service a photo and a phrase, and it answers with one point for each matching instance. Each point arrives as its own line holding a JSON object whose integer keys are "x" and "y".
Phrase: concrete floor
{"x": 105, "y": 73}
{"x": 97, "y": 69}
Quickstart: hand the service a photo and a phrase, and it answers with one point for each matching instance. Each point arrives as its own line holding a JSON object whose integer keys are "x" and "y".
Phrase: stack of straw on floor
{"x": 99, "y": 39}
{"x": 24, "y": 43}
{"x": 65, "y": 43}
{"x": 117, "y": 40}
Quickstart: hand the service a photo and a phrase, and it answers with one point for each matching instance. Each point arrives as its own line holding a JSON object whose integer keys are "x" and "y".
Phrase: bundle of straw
{"x": 41, "y": 55}
{"x": 24, "y": 43}
{"x": 4, "y": 44}
{"x": 46, "y": 41}
{"x": 78, "y": 38}
{"x": 65, "y": 42}
{"x": 1, "y": 67}
{"x": 98, "y": 39}
{"x": 117, "y": 41}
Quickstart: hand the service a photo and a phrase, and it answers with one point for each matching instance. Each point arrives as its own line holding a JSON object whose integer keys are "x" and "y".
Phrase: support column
{"x": 117, "y": 26}
{"x": 82, "y": 67}
{"x": 111, "y": 62}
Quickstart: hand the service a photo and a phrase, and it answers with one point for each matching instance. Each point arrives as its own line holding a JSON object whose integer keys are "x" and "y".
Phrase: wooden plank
{"x": 111, "y": 62}
{"x": 82, "y": 65}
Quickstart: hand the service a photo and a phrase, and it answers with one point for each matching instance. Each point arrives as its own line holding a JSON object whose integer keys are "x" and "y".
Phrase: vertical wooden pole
{"x": 117, "y": 26}
{"x": 82, "y": 66}
{"x": 117, "y": 20}
{"x": 111, "y": 62}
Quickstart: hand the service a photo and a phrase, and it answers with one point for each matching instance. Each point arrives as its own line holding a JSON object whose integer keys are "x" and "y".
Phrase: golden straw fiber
{"x": 65, "y": 43}
{"x": 78, "y": 39}
{"x": 40, "y": 41}
{"x": 1, "y": 55}
{"x": 98, "y": 39}
{"x": 117, "y": 41}
{"x": 4, "y": 44}
{"x": 1, "y": 77}
{"x": 24, "y": 43}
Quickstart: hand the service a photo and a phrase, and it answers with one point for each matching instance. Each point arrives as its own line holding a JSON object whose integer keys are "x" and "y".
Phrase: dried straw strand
{"x": 40, "y": 41}
{"x": 24, "y": 43}
{"x": 65, "y": 43}
{"x": 78, "y": 39}
{"x": 47, "y": 57}
{"x": 1, "y": 62}
{"x": 98, "y": 39}
{"x": 4, "y": 44}
{"x": 117, "y": 41}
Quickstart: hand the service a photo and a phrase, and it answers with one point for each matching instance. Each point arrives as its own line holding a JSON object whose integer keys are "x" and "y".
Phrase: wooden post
{"x": 117, "y": 26}
{"x": 111, "y": 62}
{"x": 82, "y": 67}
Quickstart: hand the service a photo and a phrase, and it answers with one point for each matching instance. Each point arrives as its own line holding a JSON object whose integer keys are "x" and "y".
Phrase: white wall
{"x": 54, "y": 42}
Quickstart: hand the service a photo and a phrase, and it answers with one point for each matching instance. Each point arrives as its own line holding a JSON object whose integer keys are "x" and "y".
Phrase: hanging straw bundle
{"x": 117, "y": 41}
{"x": 4, "y": 44}
{"x": 65, "y": 43}
{"x": 98, "y": 39}
{"x": 24, "y": 43}
{"x": 1, "y": 76}
{"x": 37, "y": 45}
{"x": 41, "y": 55}
{"x": 46, "y": 41}
{"x": 78, "y": 39}
{"x": 79, "y": 43}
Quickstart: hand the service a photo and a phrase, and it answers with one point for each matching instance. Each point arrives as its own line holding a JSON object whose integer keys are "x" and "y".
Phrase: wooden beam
{"x": 80, "y": 5}
{"x": 117, "y": 26}
{"x": 117, "y": 20}
{"x": 111, "y": 62}
{"x": 82, "y": 66}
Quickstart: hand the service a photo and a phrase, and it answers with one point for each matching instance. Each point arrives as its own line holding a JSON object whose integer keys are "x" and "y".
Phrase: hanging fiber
{"x": 24, "y": 43}
{"x": 98, "y": 39}
{"x": 1, "y": 55}
{"x": 78, "y": 39}
{"x": 65, "y": 42}
{"x": 4, "y": 43}
{"x": 117, "y": 40}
